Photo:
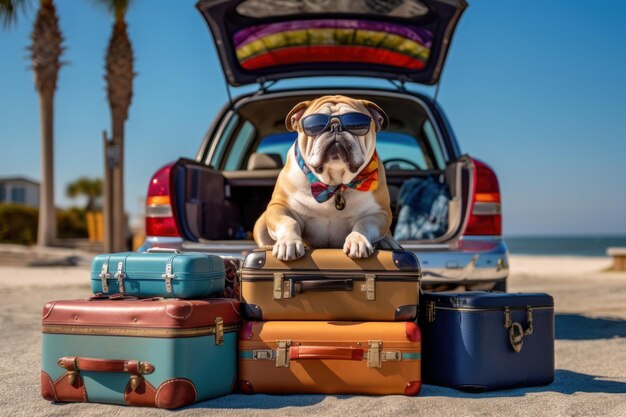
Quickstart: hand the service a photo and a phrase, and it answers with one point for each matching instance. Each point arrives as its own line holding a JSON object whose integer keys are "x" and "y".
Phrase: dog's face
{"x": 336, "y": 133}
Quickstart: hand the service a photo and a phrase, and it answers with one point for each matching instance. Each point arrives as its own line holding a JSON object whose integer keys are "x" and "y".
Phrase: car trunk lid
{"x": 266, "y": 40}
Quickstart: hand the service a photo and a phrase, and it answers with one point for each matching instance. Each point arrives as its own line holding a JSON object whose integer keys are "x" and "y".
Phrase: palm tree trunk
{"x": 119, "y": 77}
{"x": 46, "y": 232}
{"x": 120, "y": 226}
{"x": 46, "y": 50}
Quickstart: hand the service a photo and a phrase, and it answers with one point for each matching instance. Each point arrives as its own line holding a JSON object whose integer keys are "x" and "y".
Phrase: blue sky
{"x": 537, "y": 89}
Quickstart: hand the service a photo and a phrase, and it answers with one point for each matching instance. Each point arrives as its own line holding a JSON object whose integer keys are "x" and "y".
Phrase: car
{"x": 210, "y": 203}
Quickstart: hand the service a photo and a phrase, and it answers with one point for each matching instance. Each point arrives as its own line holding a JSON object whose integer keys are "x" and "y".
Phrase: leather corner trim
{"x": 412, "y": 331}
{"x": 142, "y": 396}
{"x": 405, "y": 260}
{"x": 252, "y": 312}
{"x": 176, "y": 393}
{"x": 245, "y": 387}
{"x": 255, "y": 259}
{"x": 66, "y": 392}
{"x": 47, "y": 387}
{"x": 245, "y": 331}
{"x": 407, "y": 312}
{"x": 412, "y": 388}
{"x": 47, "y": 309}
{"x": 180, "y": 310}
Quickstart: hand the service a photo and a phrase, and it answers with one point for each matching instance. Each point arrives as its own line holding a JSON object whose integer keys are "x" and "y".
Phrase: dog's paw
{"x": 357, "y": 246}
{"x": 288, "y": 249}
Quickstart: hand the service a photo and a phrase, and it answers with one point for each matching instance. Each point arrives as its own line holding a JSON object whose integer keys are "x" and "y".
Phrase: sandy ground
{"x": 590, "y": 354}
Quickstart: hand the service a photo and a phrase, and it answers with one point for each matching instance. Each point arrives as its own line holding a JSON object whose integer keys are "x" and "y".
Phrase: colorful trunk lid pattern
{"x": 332, "y": 40}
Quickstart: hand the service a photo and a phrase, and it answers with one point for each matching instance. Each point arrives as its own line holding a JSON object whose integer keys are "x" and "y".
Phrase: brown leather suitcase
{"x": 290, "y": 357}
{"x": 326, "y": 284}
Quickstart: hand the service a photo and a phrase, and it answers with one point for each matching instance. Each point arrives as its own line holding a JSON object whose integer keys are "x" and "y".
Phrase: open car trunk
{"x": 212, "y": 205}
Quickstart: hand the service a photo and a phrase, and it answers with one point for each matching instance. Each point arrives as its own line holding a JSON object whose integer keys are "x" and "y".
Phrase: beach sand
{"x": 590, "y": 353}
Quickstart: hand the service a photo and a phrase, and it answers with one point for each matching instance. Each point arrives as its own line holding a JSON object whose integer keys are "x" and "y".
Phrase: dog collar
{"x": 366, "y": 180}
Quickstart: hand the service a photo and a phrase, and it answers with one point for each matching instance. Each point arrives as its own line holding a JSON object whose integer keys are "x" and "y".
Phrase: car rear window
{"x": 402, "y": 150}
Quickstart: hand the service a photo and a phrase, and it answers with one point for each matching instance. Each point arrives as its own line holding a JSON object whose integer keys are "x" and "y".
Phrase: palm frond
{"x": 9, "y": 10}
{"x": 117, "y": 8}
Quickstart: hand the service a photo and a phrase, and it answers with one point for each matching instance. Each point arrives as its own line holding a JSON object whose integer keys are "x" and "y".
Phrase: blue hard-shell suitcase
{"x": 158, "y": 274}
{"x": 479, "y": 341}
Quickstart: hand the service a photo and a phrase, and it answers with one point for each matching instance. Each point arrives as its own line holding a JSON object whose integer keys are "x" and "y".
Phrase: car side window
{"x": 277, "y": 143}
{"x": 240, "y": 143}
{"x": 402, "y": 151}
{"x": 223, "y": 140}
{"x": 431, "y": 136}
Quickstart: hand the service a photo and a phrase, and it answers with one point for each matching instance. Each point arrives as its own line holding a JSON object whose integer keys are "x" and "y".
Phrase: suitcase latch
{"x": 370, "y": 287}
{"x": 168, "y": 276}
{"x": 104, "y": 275}
{"x": 120, "y": 275}
{"x": 374, "y": 354}
{"x": 219, "y": 331}
{"x": 516, "y": 331}
{"x": 430, "y": 309}
{"x": 282, "y": 287}
{"x": 282, "y": 353}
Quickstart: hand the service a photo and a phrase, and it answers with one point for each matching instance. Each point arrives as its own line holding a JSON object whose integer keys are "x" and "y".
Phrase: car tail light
{"x": 159, "y": 217}
{"x": 485, "y": 217}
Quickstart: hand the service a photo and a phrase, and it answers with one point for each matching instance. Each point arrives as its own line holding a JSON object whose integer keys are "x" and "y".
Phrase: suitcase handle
{"x": 80, "y": 363}
{"x": 136, "y": 369}
{"x": 162, "y": 250}
{"x": 325, "y": 352}
{"x": 301, "y": 285}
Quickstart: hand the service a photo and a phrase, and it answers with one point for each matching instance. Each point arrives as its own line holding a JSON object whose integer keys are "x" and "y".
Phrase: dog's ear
{"x": 292, "y": 119}
{"x": 380, "y": 117}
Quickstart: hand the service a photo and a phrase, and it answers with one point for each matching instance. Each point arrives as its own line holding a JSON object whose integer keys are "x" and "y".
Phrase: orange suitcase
{"x": 291, "y": 357}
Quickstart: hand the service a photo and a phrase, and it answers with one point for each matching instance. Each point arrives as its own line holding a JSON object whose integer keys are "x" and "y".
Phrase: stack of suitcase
{"x": 329, "y": 324}
{"x": 150, "y": 337}
{"x": 324, "y": 324}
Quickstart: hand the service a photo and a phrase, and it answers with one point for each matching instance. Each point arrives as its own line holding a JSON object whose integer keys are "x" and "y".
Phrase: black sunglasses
{"x": 356, "y": 123}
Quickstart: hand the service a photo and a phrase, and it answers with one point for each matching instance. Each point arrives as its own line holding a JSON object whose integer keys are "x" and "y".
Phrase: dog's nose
{"x": 335, "y": 125}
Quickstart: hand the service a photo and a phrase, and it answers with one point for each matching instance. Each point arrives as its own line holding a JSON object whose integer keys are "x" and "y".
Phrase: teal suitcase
{"x": 151, "y": 352}
{"x": 158, "y": 274}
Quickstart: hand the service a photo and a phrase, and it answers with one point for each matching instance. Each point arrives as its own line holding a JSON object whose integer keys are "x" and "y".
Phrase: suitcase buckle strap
{"x": 282, "y": 353}
{"x": 263, "y": 354}
{"x": 168, "y": 276}
{"x": 516, "y": 330}
{"x": 219, "y": 331}
{"x": 120, "y": 275}
{"x": 104, "y": 276}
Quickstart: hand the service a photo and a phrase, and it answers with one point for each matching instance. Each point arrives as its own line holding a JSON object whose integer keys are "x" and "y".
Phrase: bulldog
{"x": 332, "y": 191}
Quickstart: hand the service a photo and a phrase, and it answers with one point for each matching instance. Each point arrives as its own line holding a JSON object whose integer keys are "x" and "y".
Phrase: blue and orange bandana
{"x": 366, "y": 180}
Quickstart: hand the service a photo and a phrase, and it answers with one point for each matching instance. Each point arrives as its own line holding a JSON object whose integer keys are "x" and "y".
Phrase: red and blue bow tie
{"x": 366, "y": 180}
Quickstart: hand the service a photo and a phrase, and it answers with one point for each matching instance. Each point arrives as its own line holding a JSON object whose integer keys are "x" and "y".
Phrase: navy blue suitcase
{"x": 480, "y": 341}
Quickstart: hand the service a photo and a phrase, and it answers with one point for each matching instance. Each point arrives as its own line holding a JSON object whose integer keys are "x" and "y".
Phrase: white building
{"x": 19, "y": 190}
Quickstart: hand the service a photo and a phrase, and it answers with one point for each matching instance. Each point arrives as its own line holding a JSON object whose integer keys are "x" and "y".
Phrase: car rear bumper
{"x": 477, "y": 262}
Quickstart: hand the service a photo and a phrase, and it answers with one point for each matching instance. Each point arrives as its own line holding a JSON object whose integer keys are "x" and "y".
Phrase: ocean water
{"x": 561, "y": 245}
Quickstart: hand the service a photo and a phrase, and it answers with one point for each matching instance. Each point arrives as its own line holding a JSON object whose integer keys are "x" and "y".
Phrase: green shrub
{"x": 18, "y": 224}
{"x": 72, "y": 223}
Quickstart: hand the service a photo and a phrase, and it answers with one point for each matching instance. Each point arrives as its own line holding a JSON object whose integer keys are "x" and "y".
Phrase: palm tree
{"x": 90, "y": 188}
{"x": 45, "y": 53}
{"x": 119, "y": 78}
